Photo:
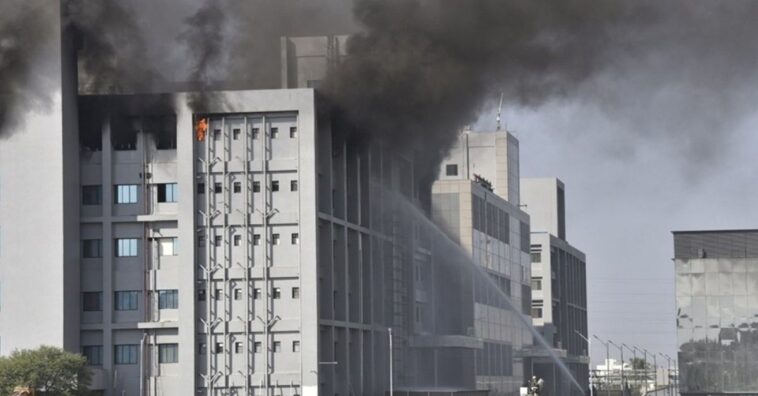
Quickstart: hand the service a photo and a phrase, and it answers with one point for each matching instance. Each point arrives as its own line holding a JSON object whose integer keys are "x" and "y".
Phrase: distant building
{"x": 559, "y": 286}
{"x": 494, "y": 233}
{"x": 717, "y": 311}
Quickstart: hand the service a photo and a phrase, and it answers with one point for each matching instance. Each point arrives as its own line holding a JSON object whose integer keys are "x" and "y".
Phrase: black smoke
{"x": 26, "y": 32}
{"x": 204, "y": 39}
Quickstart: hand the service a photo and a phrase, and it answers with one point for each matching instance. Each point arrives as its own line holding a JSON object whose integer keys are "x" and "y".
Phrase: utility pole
{"x": 589, "y": 354}
{"x": 607, "y": 365}
{"x": 621, "y": 349}
{"x": 392, "y": 389}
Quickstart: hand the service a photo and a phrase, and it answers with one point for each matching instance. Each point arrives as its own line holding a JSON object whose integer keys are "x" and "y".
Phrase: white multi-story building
{"x": 265, "y": 254}
{"x": 485, "y": 220}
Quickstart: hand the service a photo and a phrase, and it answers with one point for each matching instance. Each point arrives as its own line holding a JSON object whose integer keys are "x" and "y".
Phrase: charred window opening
{"x": 90, "y": 132}
{"x": 163, "y": 130}
{"x": 124, "y": 133}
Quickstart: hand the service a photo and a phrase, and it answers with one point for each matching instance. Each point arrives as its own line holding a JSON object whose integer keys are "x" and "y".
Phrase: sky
{"x": 624, "y": 197}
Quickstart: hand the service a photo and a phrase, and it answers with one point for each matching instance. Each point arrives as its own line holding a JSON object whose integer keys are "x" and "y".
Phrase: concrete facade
{"x": 494, "y": 234}
{"x": 559, "y": 286}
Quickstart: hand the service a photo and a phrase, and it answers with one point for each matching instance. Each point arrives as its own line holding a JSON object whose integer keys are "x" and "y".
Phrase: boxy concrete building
{"x": 484, "y": 219}
{"x": 559, "y": 287}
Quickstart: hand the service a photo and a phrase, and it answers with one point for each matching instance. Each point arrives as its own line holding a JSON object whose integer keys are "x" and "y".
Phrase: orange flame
{"x": 201, "y": 129}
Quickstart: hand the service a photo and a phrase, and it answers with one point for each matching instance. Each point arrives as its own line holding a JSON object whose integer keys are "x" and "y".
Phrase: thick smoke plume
{"x": 26, "y": 30}
{"x": 204, "y": 40}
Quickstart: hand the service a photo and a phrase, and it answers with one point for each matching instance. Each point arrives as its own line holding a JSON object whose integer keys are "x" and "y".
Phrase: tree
{"x": 48, "y": 370}
{"x": 639, "y": 364}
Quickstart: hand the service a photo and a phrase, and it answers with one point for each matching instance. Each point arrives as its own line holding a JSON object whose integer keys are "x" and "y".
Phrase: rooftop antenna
{"x": 499, "y": 111}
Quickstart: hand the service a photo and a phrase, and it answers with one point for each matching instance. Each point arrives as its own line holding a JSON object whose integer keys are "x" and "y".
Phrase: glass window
{"x": 92, "y": 248}
{"x": 93, "y": 354}
{"x": 256, "y": 239}
{"x": 92, "y": 301}
{"x": 201, "y": 295}
{"x": 293, "y": 132}
{"x": 237, "y": 240}
{"x": 238, "y": 347}
{"x": 256, "y": 293}
{"x": 126, "y": 194}
{"x": 295, "y": 346}
{"x": 256, "y": 186}
{"x": 257, "y": 347}
{"x": 168, "y": 299}
{"x": 277, "y": 346}
{"x": 168, "y": 192}
{"x": 275, "y": 239}
{"x": 219, "y": 347}
{"x": 451, "y": 170}
{"x": 238, "y": 294}
{"x": 293, "y": 185}
{"x": 256, "y": 132}
{"x": 236, "y": 133}
{"x": 274, "y": 132}
{"x": 217, "y": 188}
{"x": 536, "y": 284}
{"x": 536, "y": 312}
{"x": 216, "y": 134}
{"x": 125, "y": 354}
{"x": 275, "y": 185}
{"x": 168, "y": 246}
{"x": 201, "y": 188}
{"x": 237, "y": 187}
{"x": 295, "y": 238}
{"x": 277, "y": 293}
{"x": 125, "y": 300}
{"x": 168, "y": 353}
{"x": 295, "y": 293}
{"x": 126, "y": 247}
{"x": 217, "y": 240}
{"x": 92, "y": 195}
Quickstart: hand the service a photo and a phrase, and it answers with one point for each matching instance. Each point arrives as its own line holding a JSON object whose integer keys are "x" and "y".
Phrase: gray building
{"x": 493, "y": 233}
{"x": 717, "y": 311}
{"x": 268, "y": 253}
{"x": 559, "y": 286}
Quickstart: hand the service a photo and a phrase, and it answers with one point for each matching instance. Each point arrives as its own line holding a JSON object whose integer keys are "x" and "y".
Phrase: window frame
{"x": 126, "y": 194}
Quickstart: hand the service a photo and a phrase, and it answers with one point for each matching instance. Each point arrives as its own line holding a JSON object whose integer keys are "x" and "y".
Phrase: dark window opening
{"x": 451, "y": 170}
{"x": 123, "y": 134}
{"x": 163, "y": 130}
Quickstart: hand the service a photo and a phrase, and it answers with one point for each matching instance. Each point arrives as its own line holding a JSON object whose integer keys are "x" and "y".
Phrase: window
{"x": 536, "y": 284}
{"x": 92, "y": 195}
{"x": 293, "y": 132}
{"x": 168, "y": 299}
{"x": 202, "y": 348}
{"x": 256, "y": 186}
{"x": 256, "y": 294}
{"x": 256, "y": 132}
{"x": 201, "y": 188}
{"x": 277, "y": 346}
{"x": 126, "y": 247}
{"x": 202, "y": 295}
{"x": 126, "y": 194}
{"x": 293, "y": 185}
{"x": 125, "y": 354}
{"x": 238, "y": 347}
{"x": 236, "y": 134}
{"x": 168, "y": 192}
{"x": 257, "y": 347}
{"x": 92, "y": 248}
{"x": 451, "y": 170}
{"x": 217, "y": 240}
{"x": 201, "y": 240}
{"x": 217, "y": 188}
{"x": 536, "y": 257}
{"x": 295, "y": 238}
{"x": 237, "y": 240}
{"x": 216, "y": 134}
{"x": 275, "y": 185}
{"x": 275, "y": 239}
{"x": 536, "y": 312}
{"x": 256, "y": 239}
{"x": 295, "y": 293}
{"x": 238, "y": 294}
{"x": 125, "y": 300}
{"x": 168, "y": 246}
{"x": 168, "y": 353}
{"x": 92, "y": 301}
{"x": 237, "y": 187}
{"x": 219, "y": 347}
{"x": 274, "y": 132}
{"x": 217, "y": 294}
{"x": 277, "y": 293}
{"x": 94, "y": 354}
{"x": 295, "y": 346}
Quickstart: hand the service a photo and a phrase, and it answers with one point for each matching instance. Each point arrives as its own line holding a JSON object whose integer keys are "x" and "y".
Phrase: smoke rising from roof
{"x": 26, "y": 29}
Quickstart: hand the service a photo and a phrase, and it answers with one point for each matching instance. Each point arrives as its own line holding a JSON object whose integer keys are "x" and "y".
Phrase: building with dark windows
{"x": 717, "y": 311}
{"x": 484, "y": 219}
{"x": 559, "y": 286}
